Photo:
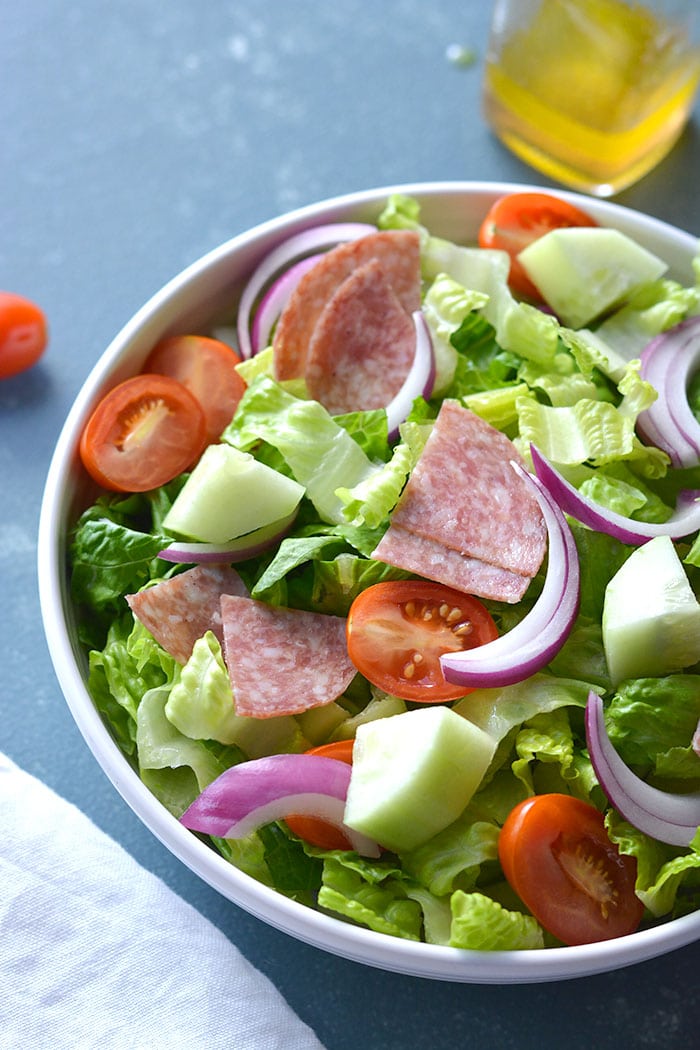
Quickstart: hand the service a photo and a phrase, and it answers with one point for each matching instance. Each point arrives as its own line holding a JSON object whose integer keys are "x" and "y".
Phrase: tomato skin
{"x": 23, "y": 334}
{"x": 207, "y": 367}
{"x": 313, "y": 830}
{"x": 516, "y": 220}
{"x": 556, "y": 854}
{"x": 142, "y": 434}
{"x": 392, "y": 623}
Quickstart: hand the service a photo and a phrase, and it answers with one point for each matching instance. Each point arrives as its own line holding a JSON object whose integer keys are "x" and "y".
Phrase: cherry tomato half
{"x": 314, "y": 830}
{"x": 397, "y": 632}
{"x": 557, "y": 856}
{"x": 207, "y": 367}
{"x": 142, "y": 434}
{"x": 23, "y": 334}
{"x": 516, "y": 220}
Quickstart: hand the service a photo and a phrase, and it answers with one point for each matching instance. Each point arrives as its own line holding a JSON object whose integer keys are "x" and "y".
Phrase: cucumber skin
{"x": 651, "y": 617}
{"x": 582, "y": 272}
{"x": 413, "y": 775}
{"x": 229, "y": 494}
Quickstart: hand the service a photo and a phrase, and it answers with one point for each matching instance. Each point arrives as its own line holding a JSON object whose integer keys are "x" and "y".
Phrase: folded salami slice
{"x": 464, "y": 496}
{"x": 181, "y": 609}
{"x": 283, "y": 661}
{"x": 398, "y": 252}
{"x": 435, "y": 561}
{"x": 363, "y": 344}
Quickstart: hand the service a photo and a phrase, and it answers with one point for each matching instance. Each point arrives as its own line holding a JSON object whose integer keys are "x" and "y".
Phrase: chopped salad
{"x": 388, "y": 640}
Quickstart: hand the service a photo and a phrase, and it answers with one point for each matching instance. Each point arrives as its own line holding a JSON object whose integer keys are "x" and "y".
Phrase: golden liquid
{"x": 593, "y": 93}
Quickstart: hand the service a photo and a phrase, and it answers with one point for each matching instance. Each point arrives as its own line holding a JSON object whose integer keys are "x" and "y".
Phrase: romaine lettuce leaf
{"x": 480, "y": 923}
{"x": 321, "y": 454}
{"x": 379, "y": 903}
{"x": 651, "y": 722}
{"x": 454, "y": 857}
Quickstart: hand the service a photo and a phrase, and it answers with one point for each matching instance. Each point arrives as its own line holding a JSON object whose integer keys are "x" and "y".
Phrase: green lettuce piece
{"x": 381, "y": 705}
{"x": 201, "y": 706}
{"x": 593, "y": 432}
{"x": 337, "y": 583}
{"x": 321, "y": 454}
{"x": 445, "y": 306}
{"x": 498, "y": 407}
{"x": 437, "y": 914}
{"x": 497, "y": 711}
{"x": 651, "y": 722}
{"x": 545, "y": 739}
{"x": 482, "y": 364}
{"x": 562, "y": 384}
{"x": 370, "y": 501}
{"x": 480, "y": 923}
{"x": 381, "y": 906}
{"x": 402, "y": 212}
{"x": 293, "y": 870}
{"x": 162, "y": 749}
{"x": 454, "y": 857}
{"x": 110, "y": 559}
{"x": 323, "y": 569}
{"x": 668, "y": 880}
{"x": 653, "y": 308}
{"x": 583, "y": 654}
{"x": 247, "y": 854}
{"x": 519, "y": 327}
{"x": 130, "y": 664}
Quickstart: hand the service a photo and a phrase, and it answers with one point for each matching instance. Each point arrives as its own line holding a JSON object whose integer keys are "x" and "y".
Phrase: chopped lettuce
{"x": 480, "y": 923}
{"x": 320, "y": 453}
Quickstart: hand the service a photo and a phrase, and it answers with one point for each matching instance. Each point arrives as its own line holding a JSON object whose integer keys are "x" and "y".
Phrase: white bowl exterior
{"x": 202, "y": 295}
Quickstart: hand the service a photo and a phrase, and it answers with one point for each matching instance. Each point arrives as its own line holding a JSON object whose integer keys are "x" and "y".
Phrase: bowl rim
{"x": 304, "y": 923}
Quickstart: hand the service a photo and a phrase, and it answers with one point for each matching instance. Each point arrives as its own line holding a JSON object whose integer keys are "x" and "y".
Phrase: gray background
{"x": 135, "y": 136}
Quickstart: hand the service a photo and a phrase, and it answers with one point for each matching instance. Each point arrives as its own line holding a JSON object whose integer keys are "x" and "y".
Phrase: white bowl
{"x": 199, "y": 296}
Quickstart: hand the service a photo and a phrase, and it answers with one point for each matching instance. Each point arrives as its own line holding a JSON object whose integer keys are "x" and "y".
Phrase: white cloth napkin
{"x": 95, "y": 951}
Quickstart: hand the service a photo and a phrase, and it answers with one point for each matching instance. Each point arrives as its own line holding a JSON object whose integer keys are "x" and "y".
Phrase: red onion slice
{"x": 240, "y": 549}
{"x": 539, "y": 636}
{"x": 308, "y": 241}
{"x": 274, "y": 301}
{"x": 263, "y": 790}
{"x": 667, "y": 817}
{"x": 419, "y": 381}
{"x": 668, "y": 363}
{"x": 684, "y": 521}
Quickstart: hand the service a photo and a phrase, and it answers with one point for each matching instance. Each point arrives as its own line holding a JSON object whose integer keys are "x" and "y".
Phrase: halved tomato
{"x": 312, "y": 829}
{"x": 556, "y": 854}
{"x": 516, "y": 220}
{"x": 142, "y": 434}
{"x": 397, "y": 631}
{"x": 207, "y": 367}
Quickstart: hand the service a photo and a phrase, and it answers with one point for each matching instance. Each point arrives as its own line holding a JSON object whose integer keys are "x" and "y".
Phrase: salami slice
{"x": 435, "y": 561}
{"x": 362, "y": 346}
{"x": 464, "y": 496}
{"x": 181, "y": 609}
{"x": 398, "y": 252}
{"x": 283, "y": 661}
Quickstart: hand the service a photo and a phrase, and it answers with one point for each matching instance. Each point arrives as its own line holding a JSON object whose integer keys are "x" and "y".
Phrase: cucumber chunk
{"x": 228, "y": 494}
{"x": 651, "y": 617}
{"x": 582, "y": 272}
{"x": 413, "y": 774}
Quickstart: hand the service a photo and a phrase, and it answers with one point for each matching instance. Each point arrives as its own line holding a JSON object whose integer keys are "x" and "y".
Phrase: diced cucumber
{"x": 228, "y": 494}
{"x": 413, "y": 774}
{"x": 583, "y": 271}
{"x": 651, "y": 617}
